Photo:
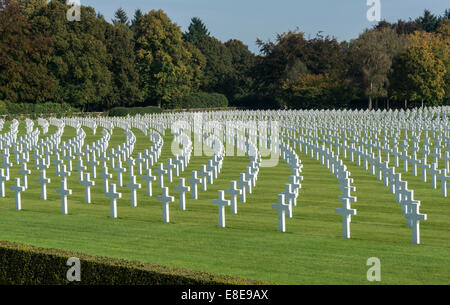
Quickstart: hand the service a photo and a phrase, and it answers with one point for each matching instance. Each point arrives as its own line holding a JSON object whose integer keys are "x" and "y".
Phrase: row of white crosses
{"x": 22, "y": 148}
{"x": 410, "y": 207}
{"x": 336, "y": 166}
{"x": 248, "y": 179}
{"x": 288, "y": 199}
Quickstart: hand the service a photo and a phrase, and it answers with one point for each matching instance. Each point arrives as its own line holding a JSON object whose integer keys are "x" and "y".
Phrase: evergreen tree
{"x": 429, "y": 21}
{"x": 136, "y": 19}
{"x": 196, "y": 31}
{"x": 125, "y": 78}
{"x": 120, "y": 16}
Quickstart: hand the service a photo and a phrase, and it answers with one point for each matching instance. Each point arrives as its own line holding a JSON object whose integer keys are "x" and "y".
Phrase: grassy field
{"x": 312, "y": 250}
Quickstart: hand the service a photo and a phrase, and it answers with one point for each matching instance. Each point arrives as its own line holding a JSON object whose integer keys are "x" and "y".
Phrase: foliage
{"x": 162, "y": 59}
{"x": 7, "y": 107}
{"x": 24, "y": 57}
{"x": 419, "y": 72}
{"x": 196, "y": 31}
{"x": 120, "y": 16}
{"x": 240, "y": 81}
{"x": 125, "y": 77}
{"x": 28, "y": 265}
{"x": 123, "y": 111}
{"x": 372, "y": 54}
{"x": 202, "y": 100}
{"x": 218, "y": 66}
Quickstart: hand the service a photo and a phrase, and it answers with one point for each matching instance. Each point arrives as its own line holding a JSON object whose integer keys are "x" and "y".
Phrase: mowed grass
{"x": 312, "y": 250}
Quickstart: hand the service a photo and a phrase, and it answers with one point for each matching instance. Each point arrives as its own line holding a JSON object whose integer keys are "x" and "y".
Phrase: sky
{"x": 248, "y": 20}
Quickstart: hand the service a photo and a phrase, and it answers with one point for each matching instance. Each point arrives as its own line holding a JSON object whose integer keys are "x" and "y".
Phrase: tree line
{"x": 95, "y": 65}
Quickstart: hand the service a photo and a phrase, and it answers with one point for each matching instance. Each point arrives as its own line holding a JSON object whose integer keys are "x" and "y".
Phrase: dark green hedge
{"x": 202, "y": 100}
{"x": 28, "y": 265}
{"x": 7, "y": 107}
{"x": 124, "y": 111}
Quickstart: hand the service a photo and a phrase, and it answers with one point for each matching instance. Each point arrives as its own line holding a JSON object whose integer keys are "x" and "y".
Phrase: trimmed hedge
{"x": 9, "y": 108}
{"x": 203, "y": 100}
{"x": 28, "y": 265}
{"x": 124, "y": 111}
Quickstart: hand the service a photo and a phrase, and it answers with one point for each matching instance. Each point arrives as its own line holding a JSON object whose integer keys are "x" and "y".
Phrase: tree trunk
{"x": 422, "y": 103}
{"x": 159, "y": 103}
{"x": 370, "y": 103}
{"x": 376, "y": 104}
{"x": 387, "y": 104}
{"x": 406, "y": 104}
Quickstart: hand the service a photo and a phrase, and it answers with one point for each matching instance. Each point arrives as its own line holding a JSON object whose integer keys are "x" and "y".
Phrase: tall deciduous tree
{"x": 23, "y": 58}
{"x": 162, "y": 58}
{"x": 80, "y": 60}
{"x": 372, "y": 55}
{"x": 419, "y": 72}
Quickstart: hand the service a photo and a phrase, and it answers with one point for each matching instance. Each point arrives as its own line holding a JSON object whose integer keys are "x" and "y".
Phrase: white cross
{"x": 194, "y": 181}
{"x": 221, "y": 202}
{"x": 243, "y": 185}
{"x": 282, "y": 210}
{"x": 203, "y": 174}
{"x": 24, "y": 172}
{"x": 139, "y": 160}
{"x": 233, "y": 191}
{"x": 63, "y": 191}
{"x": 211, "y": 172}
{"x": 113, "y": 196}
{"x": 87, "y": 187}
{"x": 80, "y": 168}
{"x": 289, "y": 197}
{"x": 433, "y": 172}
{"x": 160, "y": 171}
{"x": 149, "y": 179}
{"x": 105, "y": 176}
{"x": 130, "y": 164}
{"x": 17, "y": 190}
{"x": 43, "y": 180}
{"x": 182, "y": 189}
{"x": 93, "y": 163}
{"x": 346, "y": 213}
{"x": 57, "y": 161}
{"x": 120, "y": 170}
{"x": 2, "y": 182}
{"x": 133, "y": 186}
{"x": 444, "y": 184}
{"x": 414, "y": 218}
{"x": 169, "y": 167}
{"x": 165, "y": 199}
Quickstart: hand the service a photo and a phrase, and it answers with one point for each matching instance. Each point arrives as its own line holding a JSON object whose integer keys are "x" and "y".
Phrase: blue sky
{"x": 247, "y": 20}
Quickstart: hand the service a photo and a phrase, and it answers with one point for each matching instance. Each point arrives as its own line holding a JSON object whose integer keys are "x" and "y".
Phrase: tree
{"x": 218, "y": 66}
{"x": 240, "y": 81}
{"x": 419, "y": 72}
{"x": 372, "y": 54}
{"x": 80, "y": 59}
{"x": 125, "y": 77}
{"x": 120, "y": 16}
{"x": 24, "y": 55}
{"x": 444, "y": 32}
{"x": 136, "y": 19}
{"x": 196, "y": 31}
{"x": 162, "y": 59}
{"x": 429, "y": 21}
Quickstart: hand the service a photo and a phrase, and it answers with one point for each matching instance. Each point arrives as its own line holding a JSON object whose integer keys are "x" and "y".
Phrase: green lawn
{"x": 312, "y": 250}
